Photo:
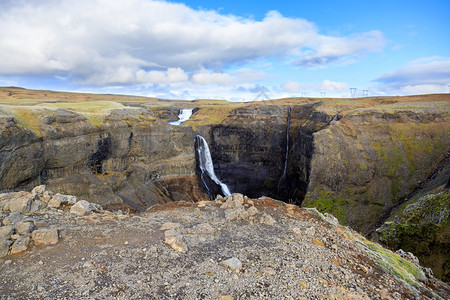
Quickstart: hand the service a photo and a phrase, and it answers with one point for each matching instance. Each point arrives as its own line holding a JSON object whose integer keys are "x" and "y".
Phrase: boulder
{"x": 4, "y": 247}
{"x": 20, "y": 202}
{"x": 175, "y": 240}
{"x": 47, "y": 196}
{"x": 24, "y": 227}
{"x": 81, "y": 208}
{"x": 60, "y": 199}
{"x": 38, "y": 191}
{"x": 233, "y": 263}
{"x": 20, "y": 245}
{"x": 267, "y": 219}
{"x": 37, "y": 205}
{"x": 45, "y": 236}
{"x": 6, "y": 232}
{"x": 13, "y": 219}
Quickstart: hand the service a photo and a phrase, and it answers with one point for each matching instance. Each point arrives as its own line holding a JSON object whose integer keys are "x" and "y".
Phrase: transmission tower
{"x": 304, "y": 94}
{"x": 353, "y": 92}
{"x": 365, "y": 93}
{"x": 322, "y": 94}
{"x": 261, "y": 96}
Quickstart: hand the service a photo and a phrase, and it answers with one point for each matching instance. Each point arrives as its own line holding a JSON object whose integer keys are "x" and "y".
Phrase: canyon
{"x": 358, "y": 159}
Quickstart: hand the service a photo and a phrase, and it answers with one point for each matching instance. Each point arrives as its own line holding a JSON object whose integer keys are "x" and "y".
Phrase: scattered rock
{"x": 81, "y": 208}
{"x": 204, "y": 228}
{"x": 310, "y": 231}
{"x": 233, "y": 263}
{"x": 37, "y": 205}
{"x": 226, "y": 297}
{"x": 267, "y": 219}
{"x": 24, "y": 227}
{"x": 296, "y": 231}
{"x": 331, "y": 219}
{"x": 235, "y": 213}
{"x": 60, "y": 199}
{"x": 169, "y": 225}
{"x": 238, "y": 198}
{"x": 21, "y": 204}
{"x": 269, "y": 271}
{"x": 408, "y": 256}
{"x": 38, "y": 191}
{"x": 318, "y": 243}
{"x": 20, "y": 245}
{"x": 6, "y": 232}
{"x": 252, "y": 211}
{"x": 4, "y": 247}
{"x": 13, "y": 219}
{"x": 45, "y": 236}
{"x": 46, "y": 196}
{"x": 175, "y": 240}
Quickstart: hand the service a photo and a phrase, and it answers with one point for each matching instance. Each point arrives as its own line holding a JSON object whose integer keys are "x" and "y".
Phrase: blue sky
{"x": 226, "y": 49}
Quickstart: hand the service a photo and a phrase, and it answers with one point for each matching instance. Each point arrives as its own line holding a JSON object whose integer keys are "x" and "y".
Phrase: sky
{"x": 232, "y": 50}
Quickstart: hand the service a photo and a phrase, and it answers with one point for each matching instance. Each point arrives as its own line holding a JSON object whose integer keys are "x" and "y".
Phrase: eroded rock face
{"x": 365, "y": 163}
{"x": 131, "y": 158}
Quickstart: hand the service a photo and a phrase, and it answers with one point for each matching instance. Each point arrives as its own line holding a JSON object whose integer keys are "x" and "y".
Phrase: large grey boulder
{"x": 24, "y": 227}
{"x": 6, "y": 232}
{"x": 4, "y": 247}
{"x": 60, "y": 199}
{"x": 18, "y": 202}
{"x": 20, "y": 245}
{"x": 81, "y": 208}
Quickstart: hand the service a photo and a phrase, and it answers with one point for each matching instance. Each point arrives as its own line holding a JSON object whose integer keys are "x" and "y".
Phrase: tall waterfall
{"x": 283, "y": 177}
{"x": 208, "y": 177}
{"x": 184, "y": 115}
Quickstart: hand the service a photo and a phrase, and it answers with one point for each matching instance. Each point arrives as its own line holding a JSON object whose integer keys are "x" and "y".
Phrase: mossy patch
{"x": 328, "y": 202}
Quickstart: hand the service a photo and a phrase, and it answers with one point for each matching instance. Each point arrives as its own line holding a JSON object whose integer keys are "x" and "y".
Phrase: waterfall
{"x": 283, "y": 177}
{"x": 207, "y": 169}
{"x": 183, "y": 116}
{"x": 336, "y": 117}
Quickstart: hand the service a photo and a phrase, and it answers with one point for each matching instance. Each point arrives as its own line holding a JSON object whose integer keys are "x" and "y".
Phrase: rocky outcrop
{"x": 365, "y": 163}
{"x": 192, "y": 250}
{"x": 422, "y": 225}
{"x": 124, "y": 156}
{"x": 22, "y": 228}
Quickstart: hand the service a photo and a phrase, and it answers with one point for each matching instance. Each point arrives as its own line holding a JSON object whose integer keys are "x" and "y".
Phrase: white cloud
{"x": 423, "y": 76}
{"x": 333, "y": 86}
{"x": 206, "y": 77}
{"x": 340, "y": 49}
{"x": 108, "y": 42}
{"x": 291, "y": 87}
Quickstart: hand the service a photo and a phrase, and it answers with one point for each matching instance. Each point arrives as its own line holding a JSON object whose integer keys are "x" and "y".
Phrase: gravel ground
{"x": 183, "y": 251}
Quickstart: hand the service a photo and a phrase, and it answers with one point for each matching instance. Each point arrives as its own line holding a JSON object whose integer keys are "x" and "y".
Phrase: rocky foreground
{"x": 59, "y": 247}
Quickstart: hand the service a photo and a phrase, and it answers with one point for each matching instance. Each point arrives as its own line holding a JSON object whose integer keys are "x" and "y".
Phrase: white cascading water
{"x": 183, "y": 116}
{"x": 206, "y": 164}
{"x": 283, "y": 177}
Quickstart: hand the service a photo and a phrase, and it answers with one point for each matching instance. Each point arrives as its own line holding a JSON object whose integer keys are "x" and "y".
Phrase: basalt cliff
{"x": 362, "y": 160}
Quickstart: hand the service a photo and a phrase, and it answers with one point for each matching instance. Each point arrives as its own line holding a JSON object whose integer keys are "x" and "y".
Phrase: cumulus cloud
{"x": 206, "y": 77}
{"x": 108, "y": 42}
{"x": 333, "y": 86}
{"x": 328, "y": 50}
{"x": 427, "y": 75}
{"x": 291, "y": 87}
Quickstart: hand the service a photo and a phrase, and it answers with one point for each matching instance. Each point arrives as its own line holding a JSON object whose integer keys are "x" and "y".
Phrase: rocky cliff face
{"x": 357, "y": 159}
{"x": 130, "y": 157}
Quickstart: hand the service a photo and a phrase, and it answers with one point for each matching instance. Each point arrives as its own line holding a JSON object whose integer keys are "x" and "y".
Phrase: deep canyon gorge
{"x": 363, "y": 160}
